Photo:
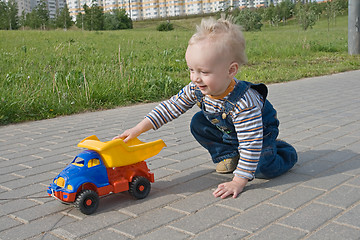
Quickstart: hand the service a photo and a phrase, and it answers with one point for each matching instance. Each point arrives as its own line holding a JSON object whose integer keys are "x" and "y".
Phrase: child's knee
{"x": 197, "y": 120}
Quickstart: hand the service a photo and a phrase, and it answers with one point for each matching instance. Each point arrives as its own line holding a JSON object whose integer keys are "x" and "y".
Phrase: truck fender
{"x": 86, "y": 186}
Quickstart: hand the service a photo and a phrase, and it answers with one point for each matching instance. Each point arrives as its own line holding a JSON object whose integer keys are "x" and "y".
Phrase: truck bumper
{"x": 62, "y": 196}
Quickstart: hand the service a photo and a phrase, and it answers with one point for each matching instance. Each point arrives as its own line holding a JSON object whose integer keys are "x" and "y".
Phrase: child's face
{"x": 209, "y": 70}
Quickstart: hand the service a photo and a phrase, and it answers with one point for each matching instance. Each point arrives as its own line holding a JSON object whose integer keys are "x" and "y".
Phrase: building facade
{"x": 148, "y": 9}
{"x": 27, "y": 6}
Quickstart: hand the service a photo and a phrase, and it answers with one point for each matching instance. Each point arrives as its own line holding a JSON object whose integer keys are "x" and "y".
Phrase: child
{"x": 236, "y": 124}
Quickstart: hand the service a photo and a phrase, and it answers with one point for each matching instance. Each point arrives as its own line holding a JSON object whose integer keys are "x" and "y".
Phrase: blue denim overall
{"x": 216, "y": 133}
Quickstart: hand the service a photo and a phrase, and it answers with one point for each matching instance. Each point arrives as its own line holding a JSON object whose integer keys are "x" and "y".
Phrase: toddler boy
{"x": 236, "y": 124}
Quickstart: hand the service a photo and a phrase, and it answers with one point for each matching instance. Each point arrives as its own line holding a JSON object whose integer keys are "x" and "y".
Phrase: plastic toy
{"x": 104, "y": 168}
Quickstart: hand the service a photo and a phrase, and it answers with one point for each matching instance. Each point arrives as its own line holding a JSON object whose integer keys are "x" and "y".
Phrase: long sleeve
{"x": 249, "y": 127}
{"x": 170, "y": 109}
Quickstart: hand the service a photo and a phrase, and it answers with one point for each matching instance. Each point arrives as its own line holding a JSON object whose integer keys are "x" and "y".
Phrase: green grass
{"x": 44, "y": 74}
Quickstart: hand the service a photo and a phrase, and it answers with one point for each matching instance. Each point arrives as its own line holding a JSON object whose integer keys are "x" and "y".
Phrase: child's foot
{"x": 227, "y": 165}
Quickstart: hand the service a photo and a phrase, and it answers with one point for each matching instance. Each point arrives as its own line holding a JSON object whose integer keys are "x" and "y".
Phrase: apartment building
{"x": 147, "y": 9}
{"x": 27, "y": 6}
{"x": 54, "y": 5}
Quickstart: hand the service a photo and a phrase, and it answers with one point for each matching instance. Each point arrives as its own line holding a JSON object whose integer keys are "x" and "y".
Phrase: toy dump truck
{"x": 104, "y": 168}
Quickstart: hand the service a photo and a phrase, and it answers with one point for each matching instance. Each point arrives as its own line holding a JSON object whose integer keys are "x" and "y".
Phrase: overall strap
{"x": 199, "y": 97}
{"x": 239, "y": 90}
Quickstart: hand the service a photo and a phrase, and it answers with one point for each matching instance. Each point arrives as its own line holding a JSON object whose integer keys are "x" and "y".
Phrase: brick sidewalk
{"x": 318, "y": 199}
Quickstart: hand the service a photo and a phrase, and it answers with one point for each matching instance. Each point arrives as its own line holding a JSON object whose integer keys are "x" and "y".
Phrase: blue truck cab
{"x": 86, "y": 168}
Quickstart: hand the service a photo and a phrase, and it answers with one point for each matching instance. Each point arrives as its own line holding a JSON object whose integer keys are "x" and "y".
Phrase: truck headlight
{"x": 70, "y": 187}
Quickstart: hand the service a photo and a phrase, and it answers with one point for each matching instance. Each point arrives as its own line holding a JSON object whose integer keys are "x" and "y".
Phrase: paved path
{"x": 318, "y": 199}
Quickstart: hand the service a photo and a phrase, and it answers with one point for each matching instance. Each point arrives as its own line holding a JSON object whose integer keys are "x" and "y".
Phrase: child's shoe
{"x": 227, "y": 165}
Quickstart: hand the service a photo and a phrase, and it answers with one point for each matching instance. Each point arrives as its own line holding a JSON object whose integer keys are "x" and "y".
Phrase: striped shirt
{"x": 246, "y": 116}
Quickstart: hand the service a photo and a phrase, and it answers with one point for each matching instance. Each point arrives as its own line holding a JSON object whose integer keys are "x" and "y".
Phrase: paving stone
{"x": 354, "y": 181}
{"x": 160, "y": 162}
{"x": 106, "y": 235}
{"x": 46, "y": 236}
{"x": 164, "y": 233}
{"x": 8, "y": 177}
{"x": 187, "y": 164}
{"x": 350, "y": 167}
{"x": 327, "y": 180}
{"x": 310, "y": 217}
{"x": 23, "y": 192}
{"x": 343, "y": 196}
{"x": 162, "y": 173}
{"x": 335, "y": 231}
{"x": 279, "y": 232}
{"x": 296, "y": 197}
{"x": 57, "y": 167}
{"x": 351, "y": 217}
{"x": 181, "y": 177}
{"x": 15, "y": 205}
{"x": 156, "y": 199}
{"x": 248, "y": 198}
{"x": 39, "y": 211}
{"x": 34, "y": 228}
{"x": 193, "y": 186}
{"x": 256, "y": 218}
{"x": 315, "y": 167}
{"x": 195, "y": 202}
{"x": 285, "y": 182}
{"x": 221, "y": 232}
{"x": 25, "y": 181}
{"x": 147, "y": 222}
{"x": 93, "y": 223}
{"x": 204, "y": 219}
{"x": 7, "y": 222}
{"x": 313, "y": 141}
{"x": 339, "y": 156}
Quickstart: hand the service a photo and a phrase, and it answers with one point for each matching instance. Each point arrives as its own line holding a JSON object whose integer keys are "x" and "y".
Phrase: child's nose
{"x": 196, "y": 77}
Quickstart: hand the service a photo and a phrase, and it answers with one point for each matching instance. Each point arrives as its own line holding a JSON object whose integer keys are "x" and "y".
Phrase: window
{"x": 78, "y": 161}
{"x": 93, "y": 162}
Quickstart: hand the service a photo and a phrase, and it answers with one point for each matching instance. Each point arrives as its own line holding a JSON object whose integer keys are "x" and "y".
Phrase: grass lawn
{"x": 44, "y": 74}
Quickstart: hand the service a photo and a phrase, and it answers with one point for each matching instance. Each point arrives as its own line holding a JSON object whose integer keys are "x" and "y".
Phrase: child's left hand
{"x": 235, "y": 187}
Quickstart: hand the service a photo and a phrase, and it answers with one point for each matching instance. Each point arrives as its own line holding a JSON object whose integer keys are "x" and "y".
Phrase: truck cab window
{"x": 93, "y": 162}
{"x": 78, "y": 161}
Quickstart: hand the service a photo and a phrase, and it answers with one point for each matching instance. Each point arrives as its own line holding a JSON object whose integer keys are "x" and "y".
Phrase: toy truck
{"x": 104, "y": 168}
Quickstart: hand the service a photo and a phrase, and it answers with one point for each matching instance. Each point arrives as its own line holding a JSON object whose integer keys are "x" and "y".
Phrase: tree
{"x": 80, "y": 21}
{"x": 9, "y": 15}
{"x": 42, "y": 13}
{"x": 269, "y": 14}
{"x": 285, "y": 10}
{"x": 249, "y": 20}
{"x": 93, "y": 17}
{"x": 306, "y": 14}
{"x": 117, "y": 19}
{"x": 3, "y": 15}
{"x": 63, "y": 19}
{"x": 334, "y": 8}
{"x": 22, "y": 19}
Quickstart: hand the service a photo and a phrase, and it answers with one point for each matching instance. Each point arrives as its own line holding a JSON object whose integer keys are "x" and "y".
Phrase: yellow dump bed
{"x": 116, "y": 153}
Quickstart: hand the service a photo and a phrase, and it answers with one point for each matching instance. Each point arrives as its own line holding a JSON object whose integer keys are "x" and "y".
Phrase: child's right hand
{"x": 128, "y": 134}
{"x": 134, "y": 132}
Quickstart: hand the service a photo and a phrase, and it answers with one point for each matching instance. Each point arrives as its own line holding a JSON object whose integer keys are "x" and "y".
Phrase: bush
{"x": 165, "y": 26}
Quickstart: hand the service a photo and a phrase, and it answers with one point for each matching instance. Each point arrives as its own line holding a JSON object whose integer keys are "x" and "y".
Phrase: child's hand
{"x": 134, "y": 132}
{"x": 235, "y": 187}
{"x": 128, "y": 134}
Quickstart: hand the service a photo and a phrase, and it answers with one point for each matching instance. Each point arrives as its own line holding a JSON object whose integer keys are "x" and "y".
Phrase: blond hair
{"x": 225, "y": 34}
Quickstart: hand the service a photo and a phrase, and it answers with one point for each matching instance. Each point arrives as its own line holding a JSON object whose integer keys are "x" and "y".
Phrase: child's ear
{"x": 233, "y": 69}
